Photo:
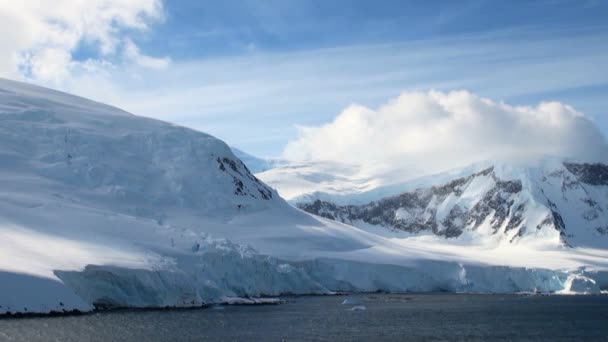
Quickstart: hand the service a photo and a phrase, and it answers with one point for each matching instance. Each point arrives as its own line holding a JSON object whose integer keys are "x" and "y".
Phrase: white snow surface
{"x": 343, "y": 184}
{"x": 99, "y": 207}
{"x": 295, "y": 180}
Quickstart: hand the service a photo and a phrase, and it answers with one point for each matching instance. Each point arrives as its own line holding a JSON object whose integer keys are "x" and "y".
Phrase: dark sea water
{"x": 384, "y": 317}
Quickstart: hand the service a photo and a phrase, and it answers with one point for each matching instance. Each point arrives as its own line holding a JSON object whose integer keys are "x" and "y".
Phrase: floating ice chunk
{"x": 351, "y": 301}
{"x": 358, "y": 308}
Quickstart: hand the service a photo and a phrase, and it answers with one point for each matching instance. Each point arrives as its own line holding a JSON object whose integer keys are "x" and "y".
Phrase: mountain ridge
{"x": 508, "y": 204}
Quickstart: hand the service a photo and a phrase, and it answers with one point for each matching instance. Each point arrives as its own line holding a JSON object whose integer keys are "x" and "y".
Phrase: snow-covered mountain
{"x": 132, "y": 164}
{"x": 99, "y": 207}
{"x": 552, "y": 201}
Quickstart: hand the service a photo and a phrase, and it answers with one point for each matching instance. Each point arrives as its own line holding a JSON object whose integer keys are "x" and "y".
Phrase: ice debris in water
{"x": 358, "y": 308}
{"x": 351, "y": 301}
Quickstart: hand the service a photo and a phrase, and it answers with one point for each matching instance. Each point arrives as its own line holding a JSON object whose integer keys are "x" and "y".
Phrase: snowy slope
{"x": 255, "y": 164}
{"x": 342, "y": 184}
{"x": 550, "y": 201}
{"x": 332, "y": 181}
{"x": 99, "y": 207}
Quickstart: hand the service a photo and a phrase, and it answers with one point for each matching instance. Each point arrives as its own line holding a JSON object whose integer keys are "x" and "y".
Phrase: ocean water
{"x": 365, "y": 317}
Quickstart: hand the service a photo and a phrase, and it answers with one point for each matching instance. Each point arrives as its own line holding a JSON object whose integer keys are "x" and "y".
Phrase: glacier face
{"x": 99, "y": 207}
{"x": 561, "y": 202}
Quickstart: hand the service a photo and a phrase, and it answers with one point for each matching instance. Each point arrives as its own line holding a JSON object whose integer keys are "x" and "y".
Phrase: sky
{"x": 267, "y": 76}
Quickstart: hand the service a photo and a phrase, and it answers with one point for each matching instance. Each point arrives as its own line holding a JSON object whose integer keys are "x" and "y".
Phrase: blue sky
{"x": 251, "y": 71}
{"x": 195, "y": 29}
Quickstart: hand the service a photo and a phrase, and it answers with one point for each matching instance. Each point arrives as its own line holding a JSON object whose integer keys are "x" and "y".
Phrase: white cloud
{"x": 132, "y": 52}
{"x": 437, "y": 130}
{"x": 40, "y": 37}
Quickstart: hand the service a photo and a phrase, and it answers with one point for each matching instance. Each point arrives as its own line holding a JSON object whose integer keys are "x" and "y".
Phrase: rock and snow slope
{"x": 99, "y": 207}
{"x": 554, "y": 201}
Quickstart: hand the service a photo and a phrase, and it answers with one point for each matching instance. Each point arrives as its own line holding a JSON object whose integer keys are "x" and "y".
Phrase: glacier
{"x": 101, "y": 208}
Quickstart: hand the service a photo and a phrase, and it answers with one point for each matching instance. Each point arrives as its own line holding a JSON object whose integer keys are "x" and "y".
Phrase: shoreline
{"x": 264, "y": 301}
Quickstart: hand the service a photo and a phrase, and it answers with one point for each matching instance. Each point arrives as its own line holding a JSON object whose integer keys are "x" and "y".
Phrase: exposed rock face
{"x": 558, "y": 202}
{"x": 592, "y": 174}
{"x": 238, "y": 170}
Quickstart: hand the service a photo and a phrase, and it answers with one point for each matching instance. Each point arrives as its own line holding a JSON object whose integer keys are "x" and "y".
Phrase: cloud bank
{"x": 41, "y": 38}
{"x": 436, "y": 130}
